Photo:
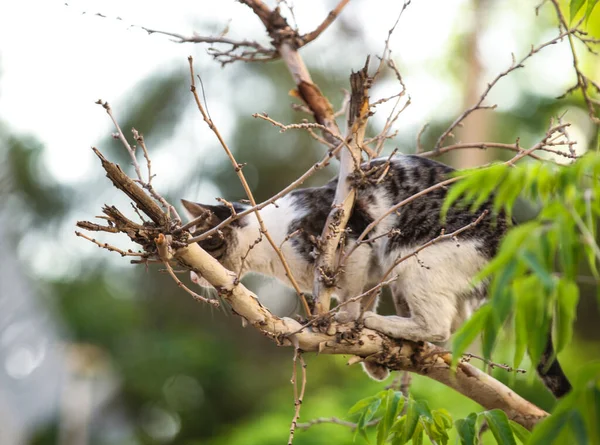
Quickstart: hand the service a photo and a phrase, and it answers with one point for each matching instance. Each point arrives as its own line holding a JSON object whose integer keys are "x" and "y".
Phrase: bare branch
{"x": 297, "y": 397}
{"x": 341, "y": 208}
{"x": 309, "y": 37}
{"x": 111, "y": 248}
{"x": 238, "y": 169}
{"x": 240, "y": 50}
{"x": 479, "y": 105}
{"x": 422, "y": 358}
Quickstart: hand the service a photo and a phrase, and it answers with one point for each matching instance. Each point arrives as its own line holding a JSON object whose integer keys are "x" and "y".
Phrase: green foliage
{"x": 398, "y": 420}
{"x": 577, "y": 5}
{"x": 532, "y": 280}
{"x": 533, "y": 277}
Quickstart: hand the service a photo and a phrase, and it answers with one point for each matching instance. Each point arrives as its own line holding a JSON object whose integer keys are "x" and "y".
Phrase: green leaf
{"x": 469, "y": 331}
{"x": 412, "y": 419}
{"x": 466, "y": 429}
{"x": 521, "y": 433}
{"x": 455, "y": 192}
{"x": 546, "y": 432}
{"x": 417, "y": 438}
{"x": 591, "y": 410}
{"x": 493, "y": 176}
{"x": 442, "y": 418}
{"x": 577, "y": 426}
{"x": 566, "y": 306}
{"x": 394, "y": 403}
{"x": 498, "y": 423}
{"x": 520, "y": 328}
{"x": 366, "y": 417}
{"x": 536, "y": 266}
{"x": 567, "y": 242}
{"x": 532, "y": 321}
{"x": 362, "y": 404}
{"x": 590, "y": 7}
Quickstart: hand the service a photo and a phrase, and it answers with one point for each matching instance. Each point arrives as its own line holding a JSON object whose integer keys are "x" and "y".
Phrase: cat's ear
{"x": 211, "y": 214}
{"x": 193, "y": 210}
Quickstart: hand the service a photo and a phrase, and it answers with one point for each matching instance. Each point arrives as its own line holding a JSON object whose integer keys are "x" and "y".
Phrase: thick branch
{"x": 345, "y": 195}
{"x": 131, "y": 189}
{"x": 422, "y": 358}
{"x": 351, "y": 339}
{"x": 287, "y": 42}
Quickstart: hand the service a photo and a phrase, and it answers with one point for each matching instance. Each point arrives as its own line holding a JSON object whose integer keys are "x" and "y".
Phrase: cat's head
{"x": 221, "y": 245}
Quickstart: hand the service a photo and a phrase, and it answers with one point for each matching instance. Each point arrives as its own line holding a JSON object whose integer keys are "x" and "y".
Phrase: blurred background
{"x": 94, "y": 350}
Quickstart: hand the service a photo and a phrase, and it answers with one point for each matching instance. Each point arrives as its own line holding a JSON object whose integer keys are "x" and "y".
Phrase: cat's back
{"x": 418, "y": 220}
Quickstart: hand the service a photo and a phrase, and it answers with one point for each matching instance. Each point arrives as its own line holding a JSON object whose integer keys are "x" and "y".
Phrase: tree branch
{"x": 333, "y": 14}
{"x": 349, "y": 339}
{"x": 325, "y": 266}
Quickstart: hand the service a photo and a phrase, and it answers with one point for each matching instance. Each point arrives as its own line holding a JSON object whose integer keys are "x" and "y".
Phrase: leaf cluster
{"x": 397, "y": 420}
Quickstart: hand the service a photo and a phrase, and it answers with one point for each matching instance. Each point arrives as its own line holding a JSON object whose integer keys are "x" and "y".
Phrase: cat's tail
{"x": 551, "y": 372}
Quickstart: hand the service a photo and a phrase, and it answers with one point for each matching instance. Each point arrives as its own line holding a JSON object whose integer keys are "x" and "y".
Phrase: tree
{"x": 527, "y": 266}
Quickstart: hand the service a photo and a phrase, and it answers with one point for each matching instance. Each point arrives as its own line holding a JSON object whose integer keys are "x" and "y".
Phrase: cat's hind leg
{"x": 431, "y": 286}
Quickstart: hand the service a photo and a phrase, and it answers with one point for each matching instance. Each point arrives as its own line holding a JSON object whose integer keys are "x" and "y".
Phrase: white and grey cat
{"x": 433, "y": 294}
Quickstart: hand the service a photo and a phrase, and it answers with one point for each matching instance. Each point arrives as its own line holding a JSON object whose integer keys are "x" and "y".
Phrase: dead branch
{"x": 422, "y": 358}
{"x": 287, "y": 42}
{"x": 343, "y": 202}
{"x": 298, "y": 398}
{"x": 239, "y": 50}
{"x": 109, "y": 247}
{"x": 164, "y": 254}
{"x": 127, "y": 185}
{"x": 309, "y": 37}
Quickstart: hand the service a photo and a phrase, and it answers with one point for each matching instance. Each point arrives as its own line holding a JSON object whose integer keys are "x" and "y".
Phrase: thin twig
{"x": 466, "y": 357}
{"x": 309, "y": 37}
{"x": 583, "y": 81}
{"x": 335, "y": 421}
{"x": 478, "y": 105}
{"x": 240, "y": 50}
{"x": 298, "y": 398}
{"x": 238, "y": 169}
{"x": 110, "y": 247}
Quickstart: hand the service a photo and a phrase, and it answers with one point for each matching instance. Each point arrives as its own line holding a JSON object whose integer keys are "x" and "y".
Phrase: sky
{"x": 57, "y": 59}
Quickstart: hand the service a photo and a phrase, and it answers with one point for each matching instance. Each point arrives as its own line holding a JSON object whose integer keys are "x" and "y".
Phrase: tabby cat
{"x": 433, "y": 293}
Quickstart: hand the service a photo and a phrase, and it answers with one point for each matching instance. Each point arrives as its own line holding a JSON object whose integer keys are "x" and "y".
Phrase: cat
{"x": 433, "y": 293}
